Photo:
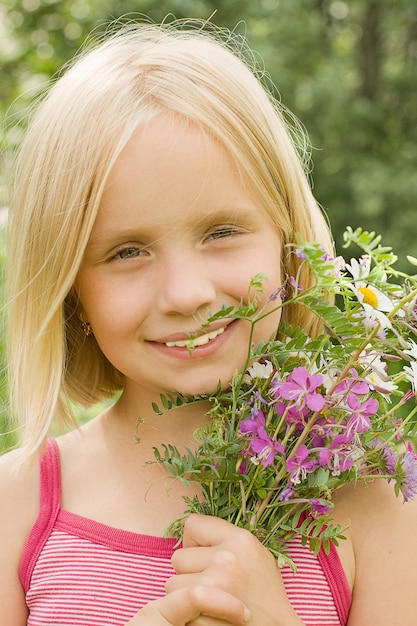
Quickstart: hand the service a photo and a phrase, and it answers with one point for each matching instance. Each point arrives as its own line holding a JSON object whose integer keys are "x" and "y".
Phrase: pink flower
{"x": 266, "y": 449}
{"x": 338, "y": 459}
{"x": 352, "y": 385}
{"x": 293, "y": 415}
{"x": 300, "y": 388}
{"x": 361, "y": 412}
{"x": 261, "y": 443}
{"x": 299, "y": 465}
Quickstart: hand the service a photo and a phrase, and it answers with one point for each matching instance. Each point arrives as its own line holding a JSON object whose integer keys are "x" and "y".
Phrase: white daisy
{"x": 375, "y": 373}
{"x": 411, "y": 370}
{"x": 258, "y": 370}
{"x": 359, "y": 269}
{"x": 411, "y": 374}
{"x": 413, "y": 349}
{"x": 374, "y": 302}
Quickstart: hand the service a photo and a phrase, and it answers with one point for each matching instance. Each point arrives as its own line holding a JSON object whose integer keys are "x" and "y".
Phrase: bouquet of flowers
{"x": 311, "y": 414}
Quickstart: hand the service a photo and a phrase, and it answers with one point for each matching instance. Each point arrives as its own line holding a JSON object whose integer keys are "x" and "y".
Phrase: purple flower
{"x": 407, "y": 469}
{"x": 319, "y": 506}
{"x": 286, "y": 495}
{"x": 300, "y": 387}
{"x": 389, "y": 458}
{"x": 300, "y": 254}
{"x": 294, "y": 284}
{"x": 299, "y": 465}
{"x": 280, "y": 291}
{"x": 252, "y": 425}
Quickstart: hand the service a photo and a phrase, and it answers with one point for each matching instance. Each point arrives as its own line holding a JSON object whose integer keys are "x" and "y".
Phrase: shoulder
{"x": 373, "y": 505}
{"x": 19, "y": 490}
{"x": 382, "y": 530}
{"x": 19, "y": 497}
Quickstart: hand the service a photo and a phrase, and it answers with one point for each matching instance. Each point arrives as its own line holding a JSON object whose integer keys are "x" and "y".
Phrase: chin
{"x": 204, "y": 387}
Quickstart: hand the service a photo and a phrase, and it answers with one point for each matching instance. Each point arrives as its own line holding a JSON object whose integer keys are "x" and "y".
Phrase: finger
{"x": 204, "y": 562}
{"x": 205, "y": 620}
{"x": 187, "y": 605}
{"x": 204, "y": 530}
{"x": 195, "y": 559}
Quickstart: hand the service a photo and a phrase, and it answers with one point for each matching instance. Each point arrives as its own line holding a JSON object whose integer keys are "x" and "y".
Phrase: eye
{"x": 130, "y": 253}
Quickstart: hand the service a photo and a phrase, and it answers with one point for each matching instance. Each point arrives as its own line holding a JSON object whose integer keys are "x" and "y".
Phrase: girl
{"x": 157, "y": 178}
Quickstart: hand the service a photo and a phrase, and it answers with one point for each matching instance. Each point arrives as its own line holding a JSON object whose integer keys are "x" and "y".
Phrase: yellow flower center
{"x": 369, "y": 296}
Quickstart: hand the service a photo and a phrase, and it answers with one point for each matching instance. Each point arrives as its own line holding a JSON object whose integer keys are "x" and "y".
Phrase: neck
{"x": 132, "y": 418}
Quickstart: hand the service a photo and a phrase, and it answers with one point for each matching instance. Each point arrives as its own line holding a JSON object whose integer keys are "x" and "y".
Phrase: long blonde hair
{"x": 73, "y": 141}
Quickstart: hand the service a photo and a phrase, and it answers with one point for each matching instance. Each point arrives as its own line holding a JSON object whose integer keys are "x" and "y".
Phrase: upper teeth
{"x": 197, "y": 341}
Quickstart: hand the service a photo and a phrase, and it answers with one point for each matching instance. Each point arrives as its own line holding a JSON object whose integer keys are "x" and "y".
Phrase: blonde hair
{"x": 72, "y": 143}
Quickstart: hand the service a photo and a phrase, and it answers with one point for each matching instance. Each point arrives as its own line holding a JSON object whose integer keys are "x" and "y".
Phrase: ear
{"x": 86, "y": 328}
{"x": 74, "y": 311}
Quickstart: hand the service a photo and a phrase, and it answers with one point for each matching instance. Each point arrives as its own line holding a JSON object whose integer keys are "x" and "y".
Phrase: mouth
{"x": 195, "y": 342}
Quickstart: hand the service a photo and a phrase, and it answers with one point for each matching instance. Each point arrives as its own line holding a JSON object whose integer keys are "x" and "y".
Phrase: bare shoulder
{"x": 368, "y": 495}
{"x": 382, "y": 530}
{"x": 19, "y": 497}
{"x": 21, "y": 484}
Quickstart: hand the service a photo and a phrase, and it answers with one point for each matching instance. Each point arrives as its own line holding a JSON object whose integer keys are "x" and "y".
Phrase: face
{"x": 177, "y": 235}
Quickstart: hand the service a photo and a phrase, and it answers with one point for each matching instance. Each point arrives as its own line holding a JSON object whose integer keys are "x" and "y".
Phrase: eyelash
{"x": 223, "y": 232}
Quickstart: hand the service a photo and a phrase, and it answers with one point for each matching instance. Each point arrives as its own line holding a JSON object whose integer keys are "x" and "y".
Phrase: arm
{"x": 19, "y": 507}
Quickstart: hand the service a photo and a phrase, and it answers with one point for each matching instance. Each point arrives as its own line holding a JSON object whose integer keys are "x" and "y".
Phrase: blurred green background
{"x": 347, "y": 69}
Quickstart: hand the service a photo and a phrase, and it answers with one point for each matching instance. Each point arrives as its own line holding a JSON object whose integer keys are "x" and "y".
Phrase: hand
{"x": 222, "y": 558}
{"x": 195, "y": 605}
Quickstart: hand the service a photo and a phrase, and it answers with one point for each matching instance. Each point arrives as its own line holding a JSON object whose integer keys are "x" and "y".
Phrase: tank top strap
{"x": 50, "y": 479}
{"x": 49, "y": 507}
{"x": 336, "y": 577}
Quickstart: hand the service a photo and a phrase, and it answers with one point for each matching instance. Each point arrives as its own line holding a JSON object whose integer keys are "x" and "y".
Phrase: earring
{"x": 87, "y": 330}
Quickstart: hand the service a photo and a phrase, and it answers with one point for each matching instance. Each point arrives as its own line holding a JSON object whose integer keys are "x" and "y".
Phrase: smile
{"x": 197, "y": 341}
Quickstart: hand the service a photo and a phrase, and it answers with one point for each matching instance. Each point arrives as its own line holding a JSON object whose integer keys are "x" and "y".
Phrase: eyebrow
{"x": 146, "y": 232}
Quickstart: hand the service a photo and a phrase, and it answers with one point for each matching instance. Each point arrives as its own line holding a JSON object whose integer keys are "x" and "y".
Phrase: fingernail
{"x": 247, "y": 616}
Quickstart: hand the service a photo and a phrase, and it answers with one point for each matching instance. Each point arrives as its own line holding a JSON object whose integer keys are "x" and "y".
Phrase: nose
{"x": 186, "y": 285}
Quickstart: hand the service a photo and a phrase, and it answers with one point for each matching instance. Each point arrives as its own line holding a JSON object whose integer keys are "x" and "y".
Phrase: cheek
{"x": 267, "y": 328}
{"x": 267, "y": 263}
{"x": 270, "y": 265}
{"x": 108, "y": 301}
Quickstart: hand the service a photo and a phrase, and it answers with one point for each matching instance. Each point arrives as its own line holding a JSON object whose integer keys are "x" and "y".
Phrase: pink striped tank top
{"x": 76, "y": 571}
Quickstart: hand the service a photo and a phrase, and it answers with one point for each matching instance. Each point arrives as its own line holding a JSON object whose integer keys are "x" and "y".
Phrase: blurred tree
{"x": 348, "y": 71}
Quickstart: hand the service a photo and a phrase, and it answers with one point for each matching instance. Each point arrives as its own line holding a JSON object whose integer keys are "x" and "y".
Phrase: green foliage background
{"x": 347, "y": 69}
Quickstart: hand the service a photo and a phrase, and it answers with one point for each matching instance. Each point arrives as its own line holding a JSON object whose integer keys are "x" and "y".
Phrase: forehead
{"x": 164, "y": 148}
{"x": 171, "y": 169}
